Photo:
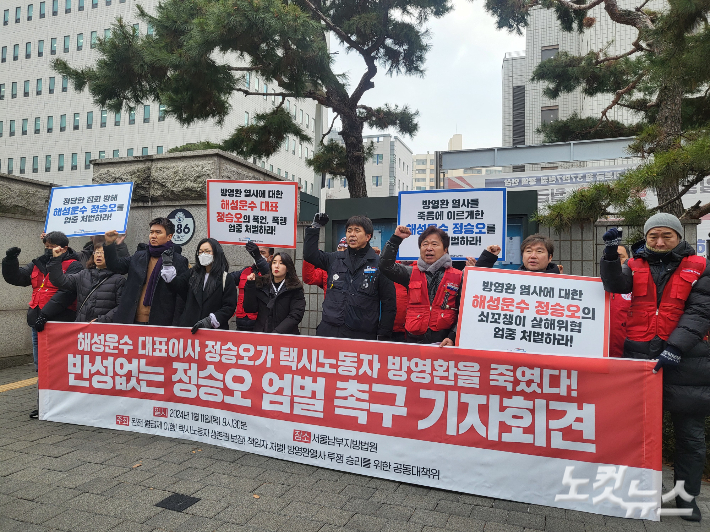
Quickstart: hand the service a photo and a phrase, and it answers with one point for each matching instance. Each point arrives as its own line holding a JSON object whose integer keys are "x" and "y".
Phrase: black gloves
{"x": 204, "y": 323}
{"x": 319, "y": 220}
{"x": 252, "y": 249}
{"x": 612, "y": 240}
{"x": 670, "y": 358}
{"x": 13, "y": 253}
{"x": 39, "y": 324}
{"x": 168, "y": 257}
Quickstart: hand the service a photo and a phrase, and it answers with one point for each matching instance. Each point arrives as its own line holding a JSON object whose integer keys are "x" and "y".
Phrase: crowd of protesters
{"x": 660, "y": 298}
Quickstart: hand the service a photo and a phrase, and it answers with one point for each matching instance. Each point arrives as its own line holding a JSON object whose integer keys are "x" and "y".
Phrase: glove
{"x": 612, "y": 239}
{"x": 39, "y": 324}
{"x": 319, "y": 220}
{"x": 13, "y": 253}
{"x": 252, "y": 249}
{"x": 204, "y": 323}
{"x": 168, "y": 257}
{"x": 670, "y": 358}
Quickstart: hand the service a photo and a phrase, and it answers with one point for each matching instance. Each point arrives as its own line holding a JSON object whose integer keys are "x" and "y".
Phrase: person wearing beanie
{"x": 668, "y": 319}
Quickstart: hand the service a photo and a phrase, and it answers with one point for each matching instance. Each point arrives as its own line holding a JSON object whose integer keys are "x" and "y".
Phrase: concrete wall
{"x": 23, "y": 206}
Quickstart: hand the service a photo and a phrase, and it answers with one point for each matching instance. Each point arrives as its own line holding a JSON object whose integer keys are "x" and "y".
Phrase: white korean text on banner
{"x": 473, "y": 218}
{"x": 265, "y": 212}
{"x": 531, "y": 428}
{"x": 533, "y": 313}
{"x": 89, "y": 210}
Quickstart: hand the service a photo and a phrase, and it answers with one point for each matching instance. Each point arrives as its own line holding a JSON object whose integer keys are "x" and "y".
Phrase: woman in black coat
{"x": 277, "y": 298}
{"x": 210, "y": 294}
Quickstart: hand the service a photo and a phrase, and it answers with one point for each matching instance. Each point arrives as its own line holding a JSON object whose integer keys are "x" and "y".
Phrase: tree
{"x": 663, "y": 78}
{"x": 183, "y": 66}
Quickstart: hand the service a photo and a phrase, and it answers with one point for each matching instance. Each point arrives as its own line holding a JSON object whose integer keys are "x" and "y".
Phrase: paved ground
{"x": 66, "y": 477}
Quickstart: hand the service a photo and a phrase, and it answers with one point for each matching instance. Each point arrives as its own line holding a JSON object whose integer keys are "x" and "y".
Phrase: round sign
{"x": 184, "y": 226}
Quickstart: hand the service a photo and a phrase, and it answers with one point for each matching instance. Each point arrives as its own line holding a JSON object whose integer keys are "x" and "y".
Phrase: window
{"x": 28, "y": 50}
{"x": 116, "y": 154}
{"x": 308, "y": 121}
{"x": 104, "y": 117}
{"x": 6, "y": 17}
{"x": 10, "y": 165}
{"x": 74, "y": 161}
{"x": 161, "y": 113}
{"x": 131, "y": 116}
{"x": 76, "y": 121}
{"x": 24, "y": 126}
{"x": 67, "y": 38}
{"x": 89, "y": 120}
{"x": 81, "y": 5}
{"x": 55, "y": 7}
{"x": 67, "y": 6}
{"x": 40, "y": 48}
{"x": 41, "y": 10}
{"x": 4, "y": 54}
{"x": 53, "y": 46}
{"x": 301, "y": 116}
{"x": 278, "y": 171}
{"x": 420, "y": 161}
{"x": 51, "y": 85}
{"x": 35, "y": 164}
{"x": 79, "y": 42}
{"x": 476, "y": 171}
{"x": 38, "y": 88}
{"x": 420, "y": 171}
{"x": 159, "y": 150}
{"x": 38, "y": 125}
{"x": 1, "y": 123}
{"x": 87, "y": 160}
{"x": 26, "y": 92}
{"x": 306, "y": 151}
{"x": 266, "y": 91}
{"x": 376, "y": 180}
{"x": 50, "y": 124}
{"x": 16, "y": 52}
{"x": 549, "y": 114}
{"x": 13, "y": 91}
{"x": 18, "y": 14}
{"x": 271, "y": 168}
{"x": 94, "y": 4}
{"x": 60, "y": 163}
{"x": 129, "y": 152}
{"x": 62, "y": 123}
{"x": 548, "y": 52}
{"x": 246, "y": 121}
{"x": 102, "y": 155}
{"x": 2, "y": 91}
{"x": 107, "y": 34}
{"x": 108, "y": 2}
{"x": 12, "y": 128}
{"x": 144, "y": 151}
{"x": 94, "y": 36}
{"x": 23, "y": 164}
{"x": 431, "y": 162}
{"x": 300, "y": 150}
{"x": 273, "y": 97}
{"x": 136, "y": 29}
{"x": 47, "y": 163}
{"x": 247, "y": 80}
{"x": 65, "y": 83}
{"x": 117, "y": 119}
{"x": 150, "y": 31}
{"x": 30, "y": 12}
{"x": 378, "y": 158}
{"x": 146, "y": 114}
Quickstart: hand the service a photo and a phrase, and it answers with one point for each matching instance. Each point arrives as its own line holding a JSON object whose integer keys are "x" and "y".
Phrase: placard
{"x": 473, "y": 218}
{"x": 89, "y": 209}
{"x": 265, "y": 212}
{"x": 530, "y": 428}
{"x": 533, "y": 312}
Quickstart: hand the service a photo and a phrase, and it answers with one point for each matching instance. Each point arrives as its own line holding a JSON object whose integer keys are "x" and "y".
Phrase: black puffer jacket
{"x": 278, "y": 313}
{"x": 88, "y": 251}
{"x": 686, "y": 388}
{"x": 99, "y": 304}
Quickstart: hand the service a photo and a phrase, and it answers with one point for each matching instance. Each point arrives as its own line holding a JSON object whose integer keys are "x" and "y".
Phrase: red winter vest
{"x": 441, "y": 314}
{"x": 239, "y": 312}
{"x": 402, "y": 304}
{"x": 646, "y": 319}
{"x": 43, "y": 289}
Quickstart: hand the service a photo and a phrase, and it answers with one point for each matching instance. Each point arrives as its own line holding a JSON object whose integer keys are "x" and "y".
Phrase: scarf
{"x": 443, "y": 262}
{"x": 155, "y": 251}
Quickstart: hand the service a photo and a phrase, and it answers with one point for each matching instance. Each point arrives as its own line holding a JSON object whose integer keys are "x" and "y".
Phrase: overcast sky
{"x": 461, "y": 89}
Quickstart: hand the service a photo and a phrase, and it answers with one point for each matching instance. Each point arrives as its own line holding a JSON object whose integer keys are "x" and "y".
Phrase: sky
{"x": 461, "y": 89}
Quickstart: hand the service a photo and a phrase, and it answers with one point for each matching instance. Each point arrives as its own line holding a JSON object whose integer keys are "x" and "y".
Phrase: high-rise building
{"x": 50, "y": 132}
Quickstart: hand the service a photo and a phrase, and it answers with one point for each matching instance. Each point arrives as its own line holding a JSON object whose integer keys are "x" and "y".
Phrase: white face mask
{"x": 205, "y": 259}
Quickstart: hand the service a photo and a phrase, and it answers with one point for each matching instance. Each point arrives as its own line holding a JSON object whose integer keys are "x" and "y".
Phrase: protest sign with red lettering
{"x": 532, "y": 428}
{"x": 533, "y": 312}
{"x": 265, "y": 212}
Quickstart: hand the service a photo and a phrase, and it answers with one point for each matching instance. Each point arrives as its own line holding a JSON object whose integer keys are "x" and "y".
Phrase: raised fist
{"x": 402, "y": 231}
{"x": 13, "y": 253}
{"x": 252, "y": 249}
{"x": 111, "y": 236}
{"x": 493, "y": 248}
{"x": 612, "y": 237}
{"x": 320, "y": 219}
{"x": 168, "y": 257}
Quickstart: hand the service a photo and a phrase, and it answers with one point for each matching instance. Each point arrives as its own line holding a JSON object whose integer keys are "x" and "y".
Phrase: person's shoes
{"x": 695, "y": 516}
{"x": 34, "y": 414}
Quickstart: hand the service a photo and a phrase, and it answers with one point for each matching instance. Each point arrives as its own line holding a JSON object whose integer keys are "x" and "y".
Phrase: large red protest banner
{"x": 571, "y": 432}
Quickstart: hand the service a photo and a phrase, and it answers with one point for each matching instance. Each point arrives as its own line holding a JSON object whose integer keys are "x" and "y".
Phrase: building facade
{"x": 387, "y": 173}
{"x": 50, "y": 132}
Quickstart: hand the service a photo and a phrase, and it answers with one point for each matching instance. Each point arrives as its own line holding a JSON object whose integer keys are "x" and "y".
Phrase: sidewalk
{"x": 67, "y": 477}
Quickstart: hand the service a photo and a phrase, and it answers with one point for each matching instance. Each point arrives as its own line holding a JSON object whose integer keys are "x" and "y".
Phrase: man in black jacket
{"x": 668, "y": 320}
{"x": 536, "y": 251}
{"x": 146, "y": 298}
{"x": 359, "y": 302}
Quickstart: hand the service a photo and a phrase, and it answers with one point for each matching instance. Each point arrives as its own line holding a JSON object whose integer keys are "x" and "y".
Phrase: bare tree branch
{"x": 580, "y": 7}
{"x": 685, "y": 189}
{"x": 251, "y": 93}
{"x": 329, "y": 129}
{"x": 243, "y": 69}
{"x": 696, "y": 211}
{"x": 335, "y": 29}
{"x": 637, "y": 47}
{"x": 631, "y": 86}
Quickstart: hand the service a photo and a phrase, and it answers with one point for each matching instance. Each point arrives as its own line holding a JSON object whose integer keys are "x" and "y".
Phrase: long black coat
{"x": 686, "y": 388}
{"x": 57, "y": 309}
{"x": 278, "y": 313}
{"x": 102, "y": 303}
{"x": 166, "y": 307}
{"x": 201, "y": 301}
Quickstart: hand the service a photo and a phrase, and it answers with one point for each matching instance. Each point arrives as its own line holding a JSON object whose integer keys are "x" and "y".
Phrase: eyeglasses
{"x": 204, "y": 252}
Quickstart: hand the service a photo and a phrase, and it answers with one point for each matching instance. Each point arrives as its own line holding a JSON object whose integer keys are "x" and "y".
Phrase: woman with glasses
{"x": 210, "y": 294}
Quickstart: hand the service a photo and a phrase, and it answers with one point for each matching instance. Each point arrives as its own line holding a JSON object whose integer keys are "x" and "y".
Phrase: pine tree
{"x": 663, "y": 78}
{"x": 183, "y": 66}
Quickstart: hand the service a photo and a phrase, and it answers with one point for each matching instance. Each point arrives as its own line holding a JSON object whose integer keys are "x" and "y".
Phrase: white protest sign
{"x": 264, "y": 212}
{"x": 473, "y": 218}
{"x": 506, "y": 310}
{"x": 89, "y": 210}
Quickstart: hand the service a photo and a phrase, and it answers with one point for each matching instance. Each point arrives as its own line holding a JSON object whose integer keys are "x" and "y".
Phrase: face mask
{"x": 205, "y": 259}
{"x": 48, "y": 253}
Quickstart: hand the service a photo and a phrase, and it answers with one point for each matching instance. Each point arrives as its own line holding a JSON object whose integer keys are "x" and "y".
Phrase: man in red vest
{"x": 667, "y": 321}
